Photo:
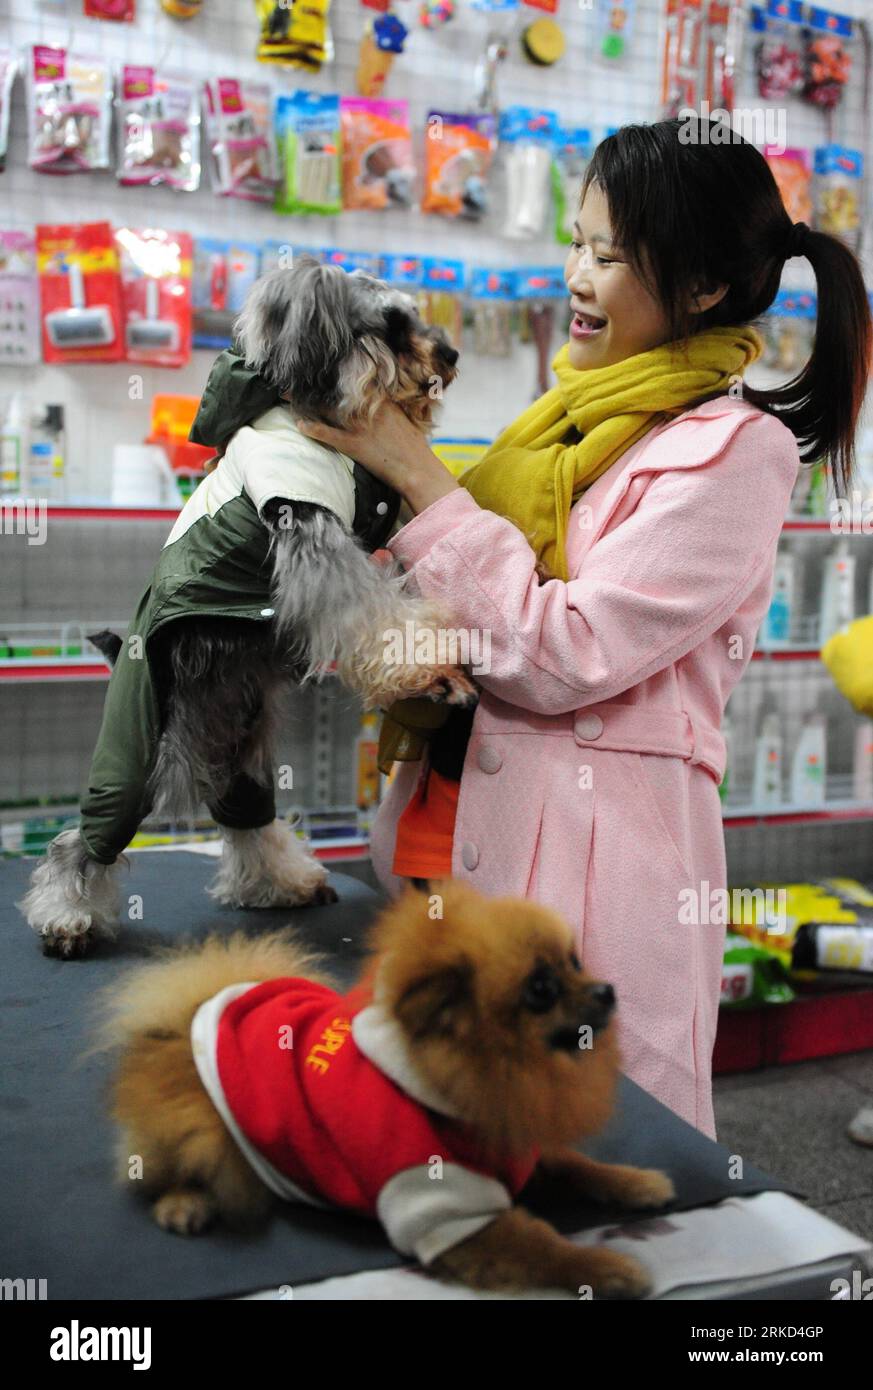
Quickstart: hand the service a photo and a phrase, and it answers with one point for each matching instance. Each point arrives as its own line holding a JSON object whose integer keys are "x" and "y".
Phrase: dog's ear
{"x": 294, "y": 330}
{"x": 430, "y": 1005}
{"x": 398, "y": 330}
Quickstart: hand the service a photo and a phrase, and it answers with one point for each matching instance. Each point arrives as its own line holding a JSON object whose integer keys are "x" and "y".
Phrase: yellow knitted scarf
{"x": 540, "y": 465}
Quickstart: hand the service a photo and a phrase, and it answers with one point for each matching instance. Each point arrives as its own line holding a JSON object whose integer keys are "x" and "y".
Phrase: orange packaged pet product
{"x": 378, "y": 167}
{"x": 458, "y": 154}
{"x": 792, "y": 170}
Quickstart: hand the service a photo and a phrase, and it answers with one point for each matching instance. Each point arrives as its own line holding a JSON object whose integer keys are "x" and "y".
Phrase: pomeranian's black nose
{"x": 449, "y": 355}
{"x": 604, "y": 995}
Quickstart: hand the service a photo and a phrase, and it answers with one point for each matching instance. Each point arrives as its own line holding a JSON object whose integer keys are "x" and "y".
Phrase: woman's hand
{"x": 394, "y": 450}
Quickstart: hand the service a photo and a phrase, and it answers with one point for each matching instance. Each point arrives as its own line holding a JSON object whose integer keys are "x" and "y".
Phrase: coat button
{"x": 267, "y": 612}
{"x": 469, "y": 856}
{"x": 489, "y": 759}
{"x": 588, "y": 726}
{"x": 381, "y": 508}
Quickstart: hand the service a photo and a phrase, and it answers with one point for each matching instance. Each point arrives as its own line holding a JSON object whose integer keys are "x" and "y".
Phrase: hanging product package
{"x": 159, "y": 129}
{"x": 308, "y": 139}
{"x": 828, "y": 40}
{"x": 529, "y": 137}
{"x": 793, "y": 174}
{"x": 569, "y": 162}
{"x": 726, "y": 25}
{"x": 8, "y": 69}
{"x": 156, "y": 295}
{"x": 788, "y": 330}
{"x": 458, "y": 153}
{"x": 80, "y": 293}
{"x": 614, "y": 28}
{"x": 779, "y": 49}
{"x": 493, "y": 294}
{"x": 19, "y": 300}
{"x": 240, "y": 131}
{"x": 294, "y": 35}
{"x": 681, "y": 37}
{"x": 224, "y": 272}
{"x": 838, "y": 184}
{"x": 69, "y": 108}
{"x": 122, "y": 10}
{"x": 439, "y": 296}
{"x": 377, "y": 162}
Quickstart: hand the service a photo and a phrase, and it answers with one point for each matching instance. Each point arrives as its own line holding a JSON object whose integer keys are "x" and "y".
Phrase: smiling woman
{"x": 617, "y": 542}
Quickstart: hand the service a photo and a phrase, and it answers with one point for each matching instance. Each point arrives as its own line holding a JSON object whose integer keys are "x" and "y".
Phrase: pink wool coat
{"x": 591, "y": 779}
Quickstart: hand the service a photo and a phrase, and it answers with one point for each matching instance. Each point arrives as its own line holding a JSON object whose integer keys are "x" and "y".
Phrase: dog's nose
{"x": 449, "y": 355}
{"x": 604, "y": 995}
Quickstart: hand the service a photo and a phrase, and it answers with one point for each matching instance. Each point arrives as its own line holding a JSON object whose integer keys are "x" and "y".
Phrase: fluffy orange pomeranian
{"x": 471, "y": 1055}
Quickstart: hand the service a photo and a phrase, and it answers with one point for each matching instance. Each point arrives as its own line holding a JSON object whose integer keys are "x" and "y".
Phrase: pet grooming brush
{"x": 152, "y": 333}
{"x": 82, "y": 325}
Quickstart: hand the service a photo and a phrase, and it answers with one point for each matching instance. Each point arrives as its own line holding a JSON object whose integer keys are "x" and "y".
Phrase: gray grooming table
{"x": 63, "y": 1219}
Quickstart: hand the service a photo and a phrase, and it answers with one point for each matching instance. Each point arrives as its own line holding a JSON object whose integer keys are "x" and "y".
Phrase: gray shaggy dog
{"x": 196, "y": 721}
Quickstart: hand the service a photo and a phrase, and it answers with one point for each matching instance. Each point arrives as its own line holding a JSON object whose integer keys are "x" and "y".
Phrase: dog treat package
{"x": 308, "y": 139}
{"x": 240, "y": 130}
{"x": 124, "y": 10}
{"x": 156, "y": 295}
{"x": 69, "y": 107}
{"x": 569, "y": 162}
{"x": 529, "y": 136}
{"x": 751, "y": 976}
{"x": 828, "y": 41}
{"x": 19, "y": 300}
{"x": 788, "y": 330}
{"x": 368, "y": 261}
{"x": 383, "y": 38}
{"x": 493, "y": 295}
{"x": 294, "y": 35}
{"x": 440, "y": 295}
{"x": 159, "y": 129}
{"x": 8, "y": 69}
{"x": 224, "y": 272}
{"x": 838, "y": 184}
{"x": 458, "y": 154}
{"x": 778, "y": 35}
{"x": 793, "y": 174}
{"x": 80, "y": 293}
{"x": 378, "y": 167}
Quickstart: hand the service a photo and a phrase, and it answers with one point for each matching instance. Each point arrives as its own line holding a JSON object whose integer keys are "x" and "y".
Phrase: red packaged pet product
{"x": 111, "y": 9}
{"x": 156, "y": 295}
{"x": 80, "y": 293}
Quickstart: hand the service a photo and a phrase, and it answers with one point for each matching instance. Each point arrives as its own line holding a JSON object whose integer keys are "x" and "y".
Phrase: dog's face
{"x": 336, "y": 345}
{"x": 497, "y": 1013}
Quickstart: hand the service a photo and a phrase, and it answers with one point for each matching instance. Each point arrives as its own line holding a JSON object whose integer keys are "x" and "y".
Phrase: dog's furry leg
{"x": 269, "y": 867}
{"x": 333, "y": 604}
{"x": 518, "y": 1251}
{"x": 72, "y": 900}
{"x": 605, "y": 1182}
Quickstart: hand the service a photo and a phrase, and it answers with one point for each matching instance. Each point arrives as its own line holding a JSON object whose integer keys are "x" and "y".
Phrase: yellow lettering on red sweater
{"x": 331, "y": 1041}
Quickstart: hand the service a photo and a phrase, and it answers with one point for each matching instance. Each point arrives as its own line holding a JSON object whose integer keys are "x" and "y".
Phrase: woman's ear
{"x": 705, "y": 299}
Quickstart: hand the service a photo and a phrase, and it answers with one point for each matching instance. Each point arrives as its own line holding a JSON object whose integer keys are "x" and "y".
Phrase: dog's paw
{"x": 183, "y": 1212}
{"x": 642, "y": 1187}
{"x": 69, "y": 939}
{"x": 618, "y": 1276}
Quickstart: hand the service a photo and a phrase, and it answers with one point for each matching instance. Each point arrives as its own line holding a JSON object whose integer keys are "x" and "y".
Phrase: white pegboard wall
{"x": 436, "y": 69}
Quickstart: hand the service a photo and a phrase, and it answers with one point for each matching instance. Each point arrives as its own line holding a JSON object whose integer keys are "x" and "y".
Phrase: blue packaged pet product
{"x": 572, "y": 152}
{"x": 493, "y": 292}
{"x": 309, "y": 137}
{"x": 838, "y": 191}
{"x": 224, "y": 272}
{"x": 530, "y": 136}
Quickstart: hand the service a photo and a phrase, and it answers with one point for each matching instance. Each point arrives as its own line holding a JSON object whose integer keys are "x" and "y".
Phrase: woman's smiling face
{"x": 615, "y": 316}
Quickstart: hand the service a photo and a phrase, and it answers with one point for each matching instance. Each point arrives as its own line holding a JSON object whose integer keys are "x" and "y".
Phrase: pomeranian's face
{"x": 337, "y": 345}
{"x": 498, "y": 1014}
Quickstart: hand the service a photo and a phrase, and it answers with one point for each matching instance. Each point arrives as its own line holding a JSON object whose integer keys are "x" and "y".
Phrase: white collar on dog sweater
{"x": 381, "y": 1039}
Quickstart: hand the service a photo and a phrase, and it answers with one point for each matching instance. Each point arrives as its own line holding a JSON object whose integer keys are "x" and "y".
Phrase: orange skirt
{"x": 425, "y": 831}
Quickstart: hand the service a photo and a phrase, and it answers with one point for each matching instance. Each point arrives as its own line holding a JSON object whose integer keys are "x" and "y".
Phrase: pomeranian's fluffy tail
{"x": 161, "y": 997}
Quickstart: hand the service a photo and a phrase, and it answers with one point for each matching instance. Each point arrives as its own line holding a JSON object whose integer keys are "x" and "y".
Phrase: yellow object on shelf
{"x": 849, "y": 658}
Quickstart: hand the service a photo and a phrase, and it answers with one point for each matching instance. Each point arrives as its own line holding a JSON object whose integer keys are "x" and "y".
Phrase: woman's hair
{"x": 694, "y": 206}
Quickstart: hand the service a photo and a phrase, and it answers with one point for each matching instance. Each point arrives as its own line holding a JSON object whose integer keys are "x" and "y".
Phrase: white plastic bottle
{"x": 809, "y": 768}
{"x": 838, "y": 592}
{"x": 776, "y": 628}
{"x": 767, "y": 777}
{"x": 15, "y": 449}
{"x": 862, "y": 765}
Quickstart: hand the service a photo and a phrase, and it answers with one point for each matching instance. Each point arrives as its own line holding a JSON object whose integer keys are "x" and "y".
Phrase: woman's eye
{"x": 603, "y": 260}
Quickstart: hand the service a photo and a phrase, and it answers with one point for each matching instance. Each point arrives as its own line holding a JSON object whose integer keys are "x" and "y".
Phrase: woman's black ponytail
{"x": 693, "y": 210}
{"x": 822, "y": 404}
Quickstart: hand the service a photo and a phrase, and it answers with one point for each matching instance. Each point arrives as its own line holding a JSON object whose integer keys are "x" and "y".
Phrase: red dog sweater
{"x": 323, "y": 1099}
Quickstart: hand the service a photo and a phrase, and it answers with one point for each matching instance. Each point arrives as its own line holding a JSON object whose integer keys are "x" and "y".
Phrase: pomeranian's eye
{"x": 542, "y": 990}
{"x": 575, "y": 961}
